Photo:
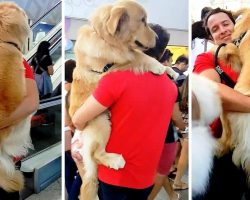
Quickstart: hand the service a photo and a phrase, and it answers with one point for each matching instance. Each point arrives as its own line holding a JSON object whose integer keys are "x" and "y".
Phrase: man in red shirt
{"x": 141, "y": 107}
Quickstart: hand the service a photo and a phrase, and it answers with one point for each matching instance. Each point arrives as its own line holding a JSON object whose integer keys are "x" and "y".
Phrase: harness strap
{"x": 105, "y": 68}
{"x": 229, "y": 82}
{"x": 238, "y": 40}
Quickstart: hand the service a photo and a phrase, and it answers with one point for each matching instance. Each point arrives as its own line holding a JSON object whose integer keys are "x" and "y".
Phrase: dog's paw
{"x": 117, "y": 162}
{"x": 158, "y": 69}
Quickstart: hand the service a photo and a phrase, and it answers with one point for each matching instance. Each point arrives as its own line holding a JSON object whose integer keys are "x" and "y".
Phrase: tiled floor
{"x": 52, "y": 192}
{"x": 184, "y": 193}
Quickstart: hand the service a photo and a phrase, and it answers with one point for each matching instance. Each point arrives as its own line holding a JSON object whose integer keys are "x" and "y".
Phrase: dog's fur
{"x": 111, "y": 37}
{"x": 236, "y": 126}
{"x": 206, "y": 106}
{"x": 14, "y": 139}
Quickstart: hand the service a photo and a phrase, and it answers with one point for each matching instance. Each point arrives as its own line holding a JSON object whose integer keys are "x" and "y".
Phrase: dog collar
{"x": 11, "y": 43}
{"x": 105, "y": 68}
{"x": 238, "y": 40}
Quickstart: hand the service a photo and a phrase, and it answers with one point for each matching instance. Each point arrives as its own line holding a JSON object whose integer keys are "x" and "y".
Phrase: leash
{"x": 222, "y": 74}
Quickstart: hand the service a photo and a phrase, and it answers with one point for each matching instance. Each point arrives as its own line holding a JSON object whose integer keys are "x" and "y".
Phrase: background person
{"x": 43, "y": 69}
{"x": 169, "y": 149}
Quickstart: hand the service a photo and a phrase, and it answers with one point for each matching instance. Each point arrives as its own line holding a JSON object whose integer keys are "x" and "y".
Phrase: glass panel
{"x": 41, "y": 28}
{"x": 46, "y": 128}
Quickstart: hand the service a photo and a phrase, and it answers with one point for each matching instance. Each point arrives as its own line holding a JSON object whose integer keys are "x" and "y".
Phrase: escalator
{"x": 42, "y": 165}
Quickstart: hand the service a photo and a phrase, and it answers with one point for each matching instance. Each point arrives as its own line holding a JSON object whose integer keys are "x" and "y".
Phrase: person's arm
{"x": 28, "y": 105}
{"x": 231, "y": 99}
{"x": 89, "y": 110}
{"x": 50, "y": 70}
{"x": 177, "y": 118}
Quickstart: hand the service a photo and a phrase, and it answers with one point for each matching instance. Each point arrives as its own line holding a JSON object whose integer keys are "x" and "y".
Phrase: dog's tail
{"x": 11, "y": 182}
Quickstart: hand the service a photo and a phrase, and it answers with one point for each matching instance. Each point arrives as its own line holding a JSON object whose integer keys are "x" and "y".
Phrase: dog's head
{"x": 124, "y": 23}
{"x": 14, "y": 25}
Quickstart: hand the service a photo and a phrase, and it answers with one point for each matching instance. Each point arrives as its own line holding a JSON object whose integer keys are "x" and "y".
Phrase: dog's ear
{"x": 117, "y": 18}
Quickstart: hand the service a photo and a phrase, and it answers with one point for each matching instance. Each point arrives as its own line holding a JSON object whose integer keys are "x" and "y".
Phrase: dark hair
{"x": 69, "y": 68}
{"x": 43, "y": 49}
{"x": 198, "y": 30}
{"x": 166, "y": 55}
{"x": 205, "y": 11}
{"x": 181, "y": 59}
{"x": 162, "y": 40}
{"x": 215, "y": 11}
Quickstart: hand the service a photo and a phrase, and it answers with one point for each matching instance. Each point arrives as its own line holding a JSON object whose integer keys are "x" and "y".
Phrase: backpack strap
{"x": 228, "y": 81}
{"x": 38, "y": 64}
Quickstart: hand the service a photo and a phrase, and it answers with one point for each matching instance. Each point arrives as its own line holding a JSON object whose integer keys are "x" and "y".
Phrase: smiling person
{"x": 226, "y": 180}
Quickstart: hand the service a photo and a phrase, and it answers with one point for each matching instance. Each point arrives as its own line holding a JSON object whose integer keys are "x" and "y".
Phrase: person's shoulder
{"x": 204, "y": 61}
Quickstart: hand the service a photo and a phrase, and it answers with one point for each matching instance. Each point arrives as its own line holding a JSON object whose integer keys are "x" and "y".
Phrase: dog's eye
{"x": 144, "y": 20}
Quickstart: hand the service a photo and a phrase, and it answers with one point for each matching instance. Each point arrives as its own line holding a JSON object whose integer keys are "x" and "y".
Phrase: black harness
{"x": 238, "y": 40}
{"x": 105, "y": 68}
{"x": 11, "y": 43}
{"x": 228, "y": 81}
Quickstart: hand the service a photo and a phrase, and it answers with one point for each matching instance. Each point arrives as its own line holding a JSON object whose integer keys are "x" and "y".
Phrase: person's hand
{"x": 76, "y": 145}
{"x": 75, "y": 151}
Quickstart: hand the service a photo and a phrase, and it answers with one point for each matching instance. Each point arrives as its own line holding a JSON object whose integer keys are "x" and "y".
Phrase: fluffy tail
{"x": 239, "y": 12}
{"x": 11, "y": 182}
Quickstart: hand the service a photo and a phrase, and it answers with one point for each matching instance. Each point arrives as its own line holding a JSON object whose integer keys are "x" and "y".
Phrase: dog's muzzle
{"x": 140, "y": 45}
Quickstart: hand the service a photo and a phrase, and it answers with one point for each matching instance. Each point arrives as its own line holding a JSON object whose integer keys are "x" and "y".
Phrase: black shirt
{"x": 44, "y": 63}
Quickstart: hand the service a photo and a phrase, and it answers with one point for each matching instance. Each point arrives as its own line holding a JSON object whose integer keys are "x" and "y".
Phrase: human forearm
{"x": 177, "y": 118}
{"x": 27, "y": 106}
{"x": 233, "y": 100}
{"x": 89, "y": 110}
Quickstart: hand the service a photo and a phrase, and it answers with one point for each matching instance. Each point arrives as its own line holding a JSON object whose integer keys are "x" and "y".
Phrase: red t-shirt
{"x": 141, "y": 107}
{"x": 28, "y": 70}
{"x": 203, "y": 62}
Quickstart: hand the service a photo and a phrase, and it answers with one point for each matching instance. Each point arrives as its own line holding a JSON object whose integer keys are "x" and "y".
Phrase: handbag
{"x": 43, "y": 80}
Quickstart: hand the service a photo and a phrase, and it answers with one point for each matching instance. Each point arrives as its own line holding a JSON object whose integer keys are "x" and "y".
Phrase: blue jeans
{"x": 73, "y": 180}
{"x": 111, "y": 192}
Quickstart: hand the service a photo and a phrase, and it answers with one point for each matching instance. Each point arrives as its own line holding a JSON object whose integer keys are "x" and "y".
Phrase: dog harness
{"x": 105, "y": 68}
{"x": 237, "y": 41}
{"x": 228, "y": 81}
{"x": 11, "y": 43}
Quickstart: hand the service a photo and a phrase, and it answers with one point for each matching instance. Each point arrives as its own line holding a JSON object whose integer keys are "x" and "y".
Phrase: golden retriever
{"x": 14, "y": 139}
{"x": 236, "y": 126}
{"x": 117, "y": 33}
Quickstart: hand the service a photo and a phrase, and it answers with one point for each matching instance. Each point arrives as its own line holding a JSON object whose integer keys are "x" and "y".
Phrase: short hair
{"x": 166, "y": 55}
{"x": 215, "y": 11}
{"x": 181, "y": 59}
{"x": 162, "y": 40}
{"x": 69, "y": 68}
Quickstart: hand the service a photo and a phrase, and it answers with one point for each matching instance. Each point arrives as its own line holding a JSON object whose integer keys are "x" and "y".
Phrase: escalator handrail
{"x": 44, "y": 15}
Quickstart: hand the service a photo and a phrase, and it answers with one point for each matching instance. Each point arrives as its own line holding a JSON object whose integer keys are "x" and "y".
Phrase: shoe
{"x": 182, "y": 186}
{"x": 172, "y": 175}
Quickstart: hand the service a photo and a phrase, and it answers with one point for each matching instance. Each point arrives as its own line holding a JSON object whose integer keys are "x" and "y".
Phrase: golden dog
{"x": 14, "y": 140}
{"x": 117, "y": 33}
{"x": 236, "y": 126}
